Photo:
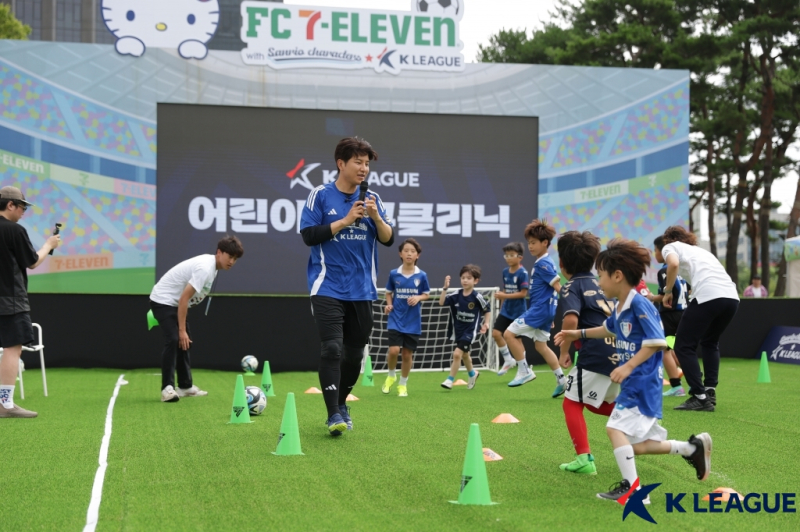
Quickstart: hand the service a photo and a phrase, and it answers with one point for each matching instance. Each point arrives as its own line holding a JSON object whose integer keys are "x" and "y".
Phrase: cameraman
{"x": 16, "y": 256}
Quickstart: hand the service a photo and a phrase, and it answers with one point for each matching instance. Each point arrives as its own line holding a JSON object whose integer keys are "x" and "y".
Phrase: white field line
{"x": 97, "y": 489}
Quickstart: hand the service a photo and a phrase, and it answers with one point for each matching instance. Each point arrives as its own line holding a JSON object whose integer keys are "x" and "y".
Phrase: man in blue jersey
{"x": 583, "y": 305}
{"x": 634, "y": 426}
{"x": 545, "y": 284}
{"x": 406, "y": 289}
{"x": 513, "y": 295}
{"x": 343, "y": 233}
{"x": 466, "y": 308}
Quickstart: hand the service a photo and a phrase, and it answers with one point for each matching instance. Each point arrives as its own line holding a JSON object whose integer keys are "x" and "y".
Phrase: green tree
{"x": 10, "y": 27}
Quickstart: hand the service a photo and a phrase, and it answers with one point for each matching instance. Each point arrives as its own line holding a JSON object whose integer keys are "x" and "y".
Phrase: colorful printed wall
{"x": 78, "y": 136}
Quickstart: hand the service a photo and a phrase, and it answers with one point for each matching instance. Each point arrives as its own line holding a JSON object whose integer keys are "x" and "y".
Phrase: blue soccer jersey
{"x": 465, "y": 315}
{"x": 634, "y": 325}
{"x": 513, "y": 283}
{"x": 544, "y": 298}
{"x": 346, "y": 266}
{"x": 680, "y": 292}
{"x": 582, "y": 296}
{"x": 403, "y": 318}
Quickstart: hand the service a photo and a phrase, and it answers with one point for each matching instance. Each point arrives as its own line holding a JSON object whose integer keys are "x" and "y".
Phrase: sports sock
{"x": 329, "y": 376}
{"x": 626, "y": 463}
{"x": 559, "y": 375}
{"x": 506, "y": 354}
{"x": 675, "y": 383}
{"x": 7, "y": 395}
{"x": 392, "y": 373}
{"x": 350, "y": 370}
{"x": 451, "y": 378}
{"x": 403, "y": 381}
{"x": 702, "y": 397}
{"x": 471, "y": 373}
{"x": 682, "y": 448}
{"x": 576, "y": 425}
{"x": 605, "y": 409}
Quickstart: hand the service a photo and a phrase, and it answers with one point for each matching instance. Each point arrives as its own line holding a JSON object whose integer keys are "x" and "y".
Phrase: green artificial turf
{"x": 181, "y": 467}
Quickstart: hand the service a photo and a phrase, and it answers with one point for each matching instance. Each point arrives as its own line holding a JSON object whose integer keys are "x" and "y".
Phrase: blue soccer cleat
{"x": 345, "y": 411}
{"x": 559, "y": 390}
{"x": 336, "y": 425}
{"x": 519, "y": 381}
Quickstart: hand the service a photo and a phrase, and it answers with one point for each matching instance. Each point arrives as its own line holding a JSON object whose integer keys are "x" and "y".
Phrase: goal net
{"x": 435, "y": 350}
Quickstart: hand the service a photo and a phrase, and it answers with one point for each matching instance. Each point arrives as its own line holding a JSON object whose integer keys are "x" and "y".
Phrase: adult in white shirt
{"x": 185, "y": 286}
{"x": 715, "y": 301}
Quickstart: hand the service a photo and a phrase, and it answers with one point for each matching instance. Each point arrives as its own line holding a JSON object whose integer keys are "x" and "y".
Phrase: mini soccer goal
{"x": 435, "y": 349}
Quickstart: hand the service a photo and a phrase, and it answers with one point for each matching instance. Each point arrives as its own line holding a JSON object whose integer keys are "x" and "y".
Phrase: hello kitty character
{"x": 183, "y": 24}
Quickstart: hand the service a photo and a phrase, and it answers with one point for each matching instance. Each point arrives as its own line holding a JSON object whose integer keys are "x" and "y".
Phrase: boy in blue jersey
{"x": 343, "y": 232}
{"x": 583, "y": 305}
{"x": 670, "y": 318}
{"x": 466, "y": 307}
{"x": 634, "y": 427}
{"x": 515, "y": 290}
{"x": 538, "y": 319}
{"x": 406, "y": 289}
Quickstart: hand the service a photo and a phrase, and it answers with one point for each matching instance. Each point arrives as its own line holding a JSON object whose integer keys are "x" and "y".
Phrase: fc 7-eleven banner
{"x": 288, "y": 36}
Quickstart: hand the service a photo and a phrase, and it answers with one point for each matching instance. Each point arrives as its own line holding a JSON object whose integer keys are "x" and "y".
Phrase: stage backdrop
{"x": 78, "y": 134}
{"x": 442, "y": 179}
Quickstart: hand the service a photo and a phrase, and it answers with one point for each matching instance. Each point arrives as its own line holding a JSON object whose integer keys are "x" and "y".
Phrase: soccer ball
{"x": 256, "y": 400}
{"x": 439, "y": 7}
{"x": 249, "y": 363}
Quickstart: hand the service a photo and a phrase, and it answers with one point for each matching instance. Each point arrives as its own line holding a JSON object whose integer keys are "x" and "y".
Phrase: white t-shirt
{"x": 198, "y": 271}
{"x": 702, "y": 271}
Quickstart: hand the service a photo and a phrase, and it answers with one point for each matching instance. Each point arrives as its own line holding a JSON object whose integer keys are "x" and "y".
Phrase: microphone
{"x": 55, "y": 232}
{"x": 363, "y": 187}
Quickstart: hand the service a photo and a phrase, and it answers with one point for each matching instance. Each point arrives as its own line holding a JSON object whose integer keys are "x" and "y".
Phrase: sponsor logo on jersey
{"x": 590, "y": 293}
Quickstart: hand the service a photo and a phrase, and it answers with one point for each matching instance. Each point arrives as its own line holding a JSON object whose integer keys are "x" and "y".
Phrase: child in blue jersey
{"x": 634, "y": 426}
{"x": 513, "y": 295}
{"x": 583, "y": 305}
{"x": 406, "y": 288}
{"x": 538, "y": 319}
{"x": 670, "y": 318}
{"x": 466, "y": 307}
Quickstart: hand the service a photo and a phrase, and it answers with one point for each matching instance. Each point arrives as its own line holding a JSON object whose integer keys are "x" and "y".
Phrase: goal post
{"x": 435, "y": 349}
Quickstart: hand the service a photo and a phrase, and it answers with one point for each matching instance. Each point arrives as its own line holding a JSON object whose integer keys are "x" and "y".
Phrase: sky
{"x": 484, "y": 18}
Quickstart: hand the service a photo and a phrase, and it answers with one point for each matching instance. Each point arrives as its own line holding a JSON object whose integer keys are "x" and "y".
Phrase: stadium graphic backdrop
{"x": 78, "y": 134}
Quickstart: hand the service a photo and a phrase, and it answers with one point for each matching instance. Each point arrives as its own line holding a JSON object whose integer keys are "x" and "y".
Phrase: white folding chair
{"x": 32, "y": 349}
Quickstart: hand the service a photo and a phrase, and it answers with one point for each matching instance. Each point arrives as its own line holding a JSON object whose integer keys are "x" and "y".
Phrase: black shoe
{"x": 699, "y": 405}
{"x": 711, "y": 393}
{"x": 700, "y": 459}
{"x": 617, "y": 490}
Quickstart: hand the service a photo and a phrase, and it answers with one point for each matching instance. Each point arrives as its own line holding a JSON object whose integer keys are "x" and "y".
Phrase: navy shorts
{"x": 404, "y": 340}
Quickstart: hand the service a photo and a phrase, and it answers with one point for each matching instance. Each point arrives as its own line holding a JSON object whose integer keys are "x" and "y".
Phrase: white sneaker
{"x": 194, "y": 391}
{"x": 169, "y": 395}
{"x": 507, "y": 366}
{"x": 447, "y": 384}
{"x": 473, "y": 380}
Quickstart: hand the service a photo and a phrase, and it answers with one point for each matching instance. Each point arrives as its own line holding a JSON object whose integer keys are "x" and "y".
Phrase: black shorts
{"x": 404, "y": 340}
{"x": 670, "y": 320}
{"x": 464, "y": 345}
{"x": 348, "y": 321}
{"x": 16, "y": 329}
{"x": 502, "y": 323}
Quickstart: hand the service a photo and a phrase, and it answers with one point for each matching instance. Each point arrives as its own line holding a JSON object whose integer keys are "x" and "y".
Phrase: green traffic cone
{"x": 240, "y": 413}
{"x": 266, "y": 381}
{"x": 474, "y": 482}
{"x": 367, "y": 379}
{"x": 289, "y": 437}
{"x": 763, "y": 369}
{"x": 151, "y": 320}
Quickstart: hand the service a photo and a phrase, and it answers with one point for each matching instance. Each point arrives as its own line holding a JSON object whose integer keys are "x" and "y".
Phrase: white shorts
{"x": 635, "y": 425}
{"x": 588, "y": 387}
{"x": 520, "y": 328}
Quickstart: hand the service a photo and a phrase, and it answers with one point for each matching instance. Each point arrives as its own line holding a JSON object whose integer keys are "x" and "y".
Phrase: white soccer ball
{"x": 249, "y": 363}
{"x": 256, "y": 400}
{"x": 448, "y": 8}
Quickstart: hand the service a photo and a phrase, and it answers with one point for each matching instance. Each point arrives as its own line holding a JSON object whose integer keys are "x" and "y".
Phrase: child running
{"x": 466, "y": 307}
{"x": 583, "y": 306}
{"x": 406, "y": 288}
{"x": 515, "y": 291}
{"x": 538, "y": 319}
{"x": 634, "y": 427}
